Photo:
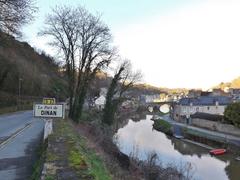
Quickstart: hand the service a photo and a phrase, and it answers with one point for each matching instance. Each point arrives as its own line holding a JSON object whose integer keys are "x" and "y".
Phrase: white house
{"x": 100, "y": 102}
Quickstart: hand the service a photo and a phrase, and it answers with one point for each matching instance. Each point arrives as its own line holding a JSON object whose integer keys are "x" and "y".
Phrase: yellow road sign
{"x": 49, "y": 101}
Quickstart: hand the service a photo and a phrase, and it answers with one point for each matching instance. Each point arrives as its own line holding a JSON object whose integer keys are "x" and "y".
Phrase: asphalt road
{"x": 20, "y": 136}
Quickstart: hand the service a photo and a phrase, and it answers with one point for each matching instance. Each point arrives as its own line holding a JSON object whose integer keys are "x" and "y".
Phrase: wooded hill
{"x": 37, "y": 73}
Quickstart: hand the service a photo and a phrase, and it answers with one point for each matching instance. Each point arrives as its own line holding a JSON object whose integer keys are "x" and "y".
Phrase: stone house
{"x": 204, "y": 104}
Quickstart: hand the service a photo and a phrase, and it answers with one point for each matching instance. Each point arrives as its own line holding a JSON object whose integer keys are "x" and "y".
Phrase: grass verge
{"x": 68, "y": 156}
{"x": 37, "y": 168}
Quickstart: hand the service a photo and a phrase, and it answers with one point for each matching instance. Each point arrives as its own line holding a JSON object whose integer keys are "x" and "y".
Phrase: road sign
{"x": 49, "y": 101}
{"x": 49, "y": 111}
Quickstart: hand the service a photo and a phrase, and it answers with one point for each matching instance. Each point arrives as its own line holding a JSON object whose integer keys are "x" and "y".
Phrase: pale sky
{"x": 187, "y": 43}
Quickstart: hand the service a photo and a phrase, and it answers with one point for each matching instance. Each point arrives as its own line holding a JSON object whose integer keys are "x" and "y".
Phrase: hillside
{"x": 235, "y": 83}
{"x": 20, "y": 64}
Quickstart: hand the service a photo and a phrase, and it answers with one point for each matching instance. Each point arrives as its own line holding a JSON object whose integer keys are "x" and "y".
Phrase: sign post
{"x": 48, "y": 110}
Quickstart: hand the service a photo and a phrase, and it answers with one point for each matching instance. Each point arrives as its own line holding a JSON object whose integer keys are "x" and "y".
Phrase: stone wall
{"x": 216, "y": 126}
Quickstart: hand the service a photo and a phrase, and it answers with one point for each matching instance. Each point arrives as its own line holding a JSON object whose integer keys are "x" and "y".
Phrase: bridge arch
{"x": 155, "y": 107}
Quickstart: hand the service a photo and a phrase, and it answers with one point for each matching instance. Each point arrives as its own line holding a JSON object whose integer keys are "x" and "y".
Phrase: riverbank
{"x": 208, "y": 134}
{"x": 186, "y": 136}
{"x": 129, "y": 166}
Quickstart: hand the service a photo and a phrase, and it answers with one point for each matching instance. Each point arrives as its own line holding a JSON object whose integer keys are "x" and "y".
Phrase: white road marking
{"x": 9, "y": 139}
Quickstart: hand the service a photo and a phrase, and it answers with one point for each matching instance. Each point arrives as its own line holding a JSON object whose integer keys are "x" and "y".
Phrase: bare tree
{"x": 123, "y": 79}
{"x": 14, "y": 14}
{"x": 62, "y": 27}
{"x": 85, "y": 43}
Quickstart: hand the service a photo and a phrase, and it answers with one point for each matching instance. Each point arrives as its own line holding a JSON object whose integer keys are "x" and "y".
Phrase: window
{"x": 184, "y": 110}
{"x": 191, "y": 109}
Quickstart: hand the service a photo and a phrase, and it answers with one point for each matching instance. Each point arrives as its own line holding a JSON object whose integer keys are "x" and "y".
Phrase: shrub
{"x": 232, "y": 114}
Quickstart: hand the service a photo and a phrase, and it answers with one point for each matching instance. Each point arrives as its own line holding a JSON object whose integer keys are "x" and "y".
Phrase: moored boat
{"x": 178, "y": 136}
{"x": 218, "y": 151}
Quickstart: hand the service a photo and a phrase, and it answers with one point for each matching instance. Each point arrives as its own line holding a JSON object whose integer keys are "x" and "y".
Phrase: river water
{"x": 140, "y": 139}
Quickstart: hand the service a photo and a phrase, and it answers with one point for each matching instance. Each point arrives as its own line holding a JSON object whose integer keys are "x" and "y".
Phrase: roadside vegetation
{"x": 38, "y": 165}
{"x": 68, "y": 156}
{"x": 154, "y": 169}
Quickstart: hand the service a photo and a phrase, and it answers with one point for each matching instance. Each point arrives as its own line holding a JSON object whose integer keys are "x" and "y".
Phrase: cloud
{"x": 194, "y": 46}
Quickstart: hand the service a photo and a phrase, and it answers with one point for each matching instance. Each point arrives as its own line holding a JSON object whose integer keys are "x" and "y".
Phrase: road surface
{"x": 20, "y": 137}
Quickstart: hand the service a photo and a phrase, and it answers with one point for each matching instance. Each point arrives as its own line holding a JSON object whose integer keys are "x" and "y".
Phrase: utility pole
{"x": 19, "y": 92}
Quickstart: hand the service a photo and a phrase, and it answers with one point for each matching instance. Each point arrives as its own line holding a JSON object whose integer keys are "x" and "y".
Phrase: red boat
{"x": 217, "y": 151}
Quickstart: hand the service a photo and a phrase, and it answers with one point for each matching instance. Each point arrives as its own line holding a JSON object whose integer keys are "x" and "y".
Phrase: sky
{"x": 176, "y": 44}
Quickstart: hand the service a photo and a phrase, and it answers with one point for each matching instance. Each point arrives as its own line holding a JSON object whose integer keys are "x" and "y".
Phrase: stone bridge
{"x": 155, "y": 106}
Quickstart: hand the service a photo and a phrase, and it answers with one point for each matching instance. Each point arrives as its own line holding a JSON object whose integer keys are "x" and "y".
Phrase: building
{"x": 218, "y": 92}
{"x": 150, "y": 98}
{"x": 235, "y": 94}
{"x": 100, "y": 102}
{"x": 204, "y": 104}
{"x": 194, "y": 93}
{"x": 212, "y": 92}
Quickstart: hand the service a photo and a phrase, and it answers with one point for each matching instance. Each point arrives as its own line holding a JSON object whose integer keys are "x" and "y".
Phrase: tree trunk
{"x": 79, "y": 102}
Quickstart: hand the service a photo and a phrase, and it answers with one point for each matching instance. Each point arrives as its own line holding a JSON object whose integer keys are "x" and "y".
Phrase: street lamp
{"x": 19, "y": 91}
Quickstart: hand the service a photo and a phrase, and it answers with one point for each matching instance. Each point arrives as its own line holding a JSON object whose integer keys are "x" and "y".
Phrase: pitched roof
{"x": 205, "y": 100}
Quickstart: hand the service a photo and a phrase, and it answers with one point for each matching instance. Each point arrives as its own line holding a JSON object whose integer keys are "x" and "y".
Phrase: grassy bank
{"x": 163, "y": 126}
{"x": 68, "y": 157}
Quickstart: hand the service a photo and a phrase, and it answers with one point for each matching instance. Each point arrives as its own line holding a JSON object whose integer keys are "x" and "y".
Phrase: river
{"x": 140, "y": 139}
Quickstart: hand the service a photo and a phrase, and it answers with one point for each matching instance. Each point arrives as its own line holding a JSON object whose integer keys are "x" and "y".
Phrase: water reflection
{"x": 142, "y": 139}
